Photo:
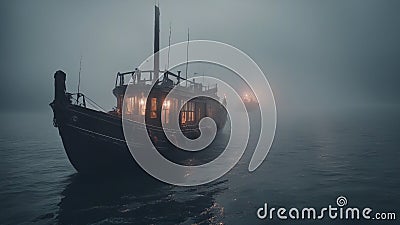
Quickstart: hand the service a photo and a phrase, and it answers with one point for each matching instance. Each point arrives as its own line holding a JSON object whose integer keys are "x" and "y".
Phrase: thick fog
{"x": 316, "y": 54}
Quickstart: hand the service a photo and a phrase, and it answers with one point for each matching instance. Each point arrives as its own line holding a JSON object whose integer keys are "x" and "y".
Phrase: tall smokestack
{"x": 156, "y": 43}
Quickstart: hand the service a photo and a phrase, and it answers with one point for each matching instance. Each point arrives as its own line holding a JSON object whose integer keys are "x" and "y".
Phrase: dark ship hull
{"x": 95, "y": 143}
{"x": 93, "y": 140}
{"x": 251, "y": 106}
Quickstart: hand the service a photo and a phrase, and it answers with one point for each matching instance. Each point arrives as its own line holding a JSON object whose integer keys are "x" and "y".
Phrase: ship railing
{"x": 146, "y": 77}
{"x": 135, "y": 77}
{"x": 80, "y": 99}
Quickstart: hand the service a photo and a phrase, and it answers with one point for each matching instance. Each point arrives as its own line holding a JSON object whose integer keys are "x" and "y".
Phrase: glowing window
{"x": 165, "y": 113}
{"x": 153, "y": 113}
{"x": 142, "y": 106}
{"x": 130, "y": 103}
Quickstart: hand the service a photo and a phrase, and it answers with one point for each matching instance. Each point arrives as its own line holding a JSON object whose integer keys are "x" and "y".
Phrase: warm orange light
{"x": 246, "y": 97}
{"x": 166, "y": 104}
{"x": 142, "y": 106}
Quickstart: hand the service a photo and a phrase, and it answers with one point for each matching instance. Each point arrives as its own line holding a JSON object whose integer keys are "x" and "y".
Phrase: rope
{"x": 95, "y": 104}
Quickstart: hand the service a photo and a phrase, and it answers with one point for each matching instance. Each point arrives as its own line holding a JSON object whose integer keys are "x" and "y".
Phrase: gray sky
{"x": 333, "y": 53}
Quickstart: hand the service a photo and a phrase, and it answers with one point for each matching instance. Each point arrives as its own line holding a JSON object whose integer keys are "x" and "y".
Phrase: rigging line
{"x": 90, "y": 100}
{"x": 95, "y": 106}
{"x": 187, "y": 57}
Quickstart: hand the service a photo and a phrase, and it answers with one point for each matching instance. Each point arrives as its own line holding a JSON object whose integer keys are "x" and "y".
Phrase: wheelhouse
{"x": 156, "y": 109}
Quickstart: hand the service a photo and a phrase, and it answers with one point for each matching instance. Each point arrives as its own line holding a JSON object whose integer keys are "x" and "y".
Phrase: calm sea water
{"x": 314, "y": 159}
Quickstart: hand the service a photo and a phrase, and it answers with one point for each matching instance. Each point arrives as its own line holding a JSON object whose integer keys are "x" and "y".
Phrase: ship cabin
{"x": 137, "y": 108}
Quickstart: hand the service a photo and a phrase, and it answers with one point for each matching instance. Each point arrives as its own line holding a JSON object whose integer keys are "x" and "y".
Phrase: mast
{"x": 187, "y": 56}
{"x": 156, "y": 43}
{"x": 79, "y": 80}
{"x": 169, "y": 45}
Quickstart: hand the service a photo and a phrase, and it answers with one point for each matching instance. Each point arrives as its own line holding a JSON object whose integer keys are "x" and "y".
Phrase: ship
{"x": 250, "y": 101}
{"x": 94, "y": 139}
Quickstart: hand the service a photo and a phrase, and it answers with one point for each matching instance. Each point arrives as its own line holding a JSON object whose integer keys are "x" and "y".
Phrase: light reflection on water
{"x": 86, "y": 201}
{"x": 312, "y": 161}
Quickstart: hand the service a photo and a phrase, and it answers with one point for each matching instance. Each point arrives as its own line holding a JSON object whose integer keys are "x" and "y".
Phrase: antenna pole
{"x": 79, "y": 79}
{"x": 187, "y": 57}
{"x": 169, "y": 44}
{"x": 156, "y": 67}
